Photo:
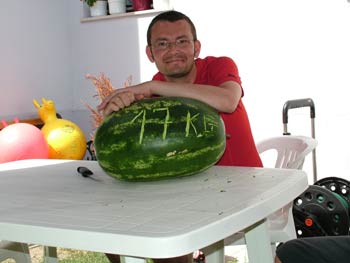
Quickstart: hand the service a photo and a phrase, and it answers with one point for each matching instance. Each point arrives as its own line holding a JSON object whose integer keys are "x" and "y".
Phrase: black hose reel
{"x": 323, "y": 209}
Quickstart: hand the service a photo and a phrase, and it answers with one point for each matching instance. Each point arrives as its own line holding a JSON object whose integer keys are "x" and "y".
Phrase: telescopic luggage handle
{"x": 301, "y": 103}
{"x": 294, "y": 104}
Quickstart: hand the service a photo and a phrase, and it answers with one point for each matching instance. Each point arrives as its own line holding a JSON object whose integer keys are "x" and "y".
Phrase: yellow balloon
{"x": 65, "y": 139}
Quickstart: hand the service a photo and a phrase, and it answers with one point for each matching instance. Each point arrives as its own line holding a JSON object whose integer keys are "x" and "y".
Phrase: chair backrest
{"x": 291, "y": 150}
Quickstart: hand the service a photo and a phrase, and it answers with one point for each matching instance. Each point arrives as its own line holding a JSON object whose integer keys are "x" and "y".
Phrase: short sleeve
{"x": 222, "y": 69}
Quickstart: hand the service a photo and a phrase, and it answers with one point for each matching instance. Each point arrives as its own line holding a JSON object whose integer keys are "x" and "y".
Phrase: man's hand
{"x": 116, "y": 102}
{"x": 122, "y": 98}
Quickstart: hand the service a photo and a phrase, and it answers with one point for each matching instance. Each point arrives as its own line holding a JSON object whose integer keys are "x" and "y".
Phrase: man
{"x": 326, "y": 249}
{"x": 173, "y": 46}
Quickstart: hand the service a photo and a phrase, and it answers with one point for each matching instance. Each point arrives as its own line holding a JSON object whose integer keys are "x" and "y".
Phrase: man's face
{"x": 172, "y": 48}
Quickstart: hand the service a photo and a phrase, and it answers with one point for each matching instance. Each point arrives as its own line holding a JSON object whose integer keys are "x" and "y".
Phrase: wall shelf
{"x": 122, "y": 15}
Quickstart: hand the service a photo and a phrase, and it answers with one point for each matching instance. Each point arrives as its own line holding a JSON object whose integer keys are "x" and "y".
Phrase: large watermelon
{"x": 160, "y": 138}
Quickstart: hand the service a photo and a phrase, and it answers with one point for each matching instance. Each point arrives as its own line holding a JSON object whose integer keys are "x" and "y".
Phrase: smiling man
{"x": 173, "y": 46}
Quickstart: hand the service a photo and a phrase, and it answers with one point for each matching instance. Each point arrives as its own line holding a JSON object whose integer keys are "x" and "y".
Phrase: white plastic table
{"x": 49, "y": 203}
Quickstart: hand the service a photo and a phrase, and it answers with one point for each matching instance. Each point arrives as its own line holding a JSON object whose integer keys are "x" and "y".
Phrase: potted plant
{"x": 97, "y": 7}
{"x": 117, "y": 6}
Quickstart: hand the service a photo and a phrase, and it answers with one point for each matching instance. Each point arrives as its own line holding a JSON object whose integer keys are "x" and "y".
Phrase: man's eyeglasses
{"x": 165, "y": 44}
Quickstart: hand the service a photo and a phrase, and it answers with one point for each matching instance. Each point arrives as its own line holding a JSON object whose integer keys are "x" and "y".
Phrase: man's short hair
{"x": 170, "y": 16}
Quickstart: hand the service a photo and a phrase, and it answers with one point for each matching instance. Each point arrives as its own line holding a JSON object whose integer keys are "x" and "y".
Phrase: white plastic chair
{"x": 14, "y": 250}
{"x": 291, "y": 152}
{"x": 20, "y": 253}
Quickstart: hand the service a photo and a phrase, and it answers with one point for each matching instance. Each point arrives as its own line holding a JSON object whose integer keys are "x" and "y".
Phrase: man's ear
{"x": 197, "y": 48}
{"x": 149, "y": 54}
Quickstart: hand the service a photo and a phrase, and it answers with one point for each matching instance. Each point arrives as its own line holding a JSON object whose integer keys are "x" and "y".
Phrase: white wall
{"x": 284, "y": 50}
{"x": 35, "y": 60}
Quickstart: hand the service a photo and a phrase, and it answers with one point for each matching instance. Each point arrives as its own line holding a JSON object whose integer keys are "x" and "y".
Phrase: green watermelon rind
{"x": 126, "y": 153}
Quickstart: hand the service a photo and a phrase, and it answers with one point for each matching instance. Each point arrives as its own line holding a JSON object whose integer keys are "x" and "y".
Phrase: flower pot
{"x": 99, "y": 8}
{"x": 141, "y": 4}
{"x": 117, "y": 6}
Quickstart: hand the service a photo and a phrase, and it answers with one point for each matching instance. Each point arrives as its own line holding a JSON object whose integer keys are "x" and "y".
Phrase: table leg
{"x": 214, "y": 253}
{"x": 124, "y": 259}
{"x": 258, "y": 243}
{"x": 50, "y": 255}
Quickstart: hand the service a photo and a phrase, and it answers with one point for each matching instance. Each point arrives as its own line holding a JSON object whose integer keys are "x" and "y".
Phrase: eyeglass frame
{"x": 177, "y": 43}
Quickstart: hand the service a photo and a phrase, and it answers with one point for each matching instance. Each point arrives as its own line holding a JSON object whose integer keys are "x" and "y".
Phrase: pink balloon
{"x": 21, "y": 141}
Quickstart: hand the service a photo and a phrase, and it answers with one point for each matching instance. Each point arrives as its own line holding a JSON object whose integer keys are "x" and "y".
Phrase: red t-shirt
{"x": 240, "y": 146}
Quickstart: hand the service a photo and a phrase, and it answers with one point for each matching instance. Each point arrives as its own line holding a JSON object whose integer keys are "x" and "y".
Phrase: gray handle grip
{"x": 293, "y": 104}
